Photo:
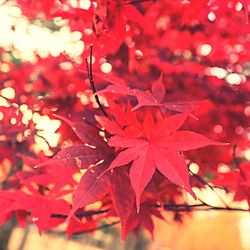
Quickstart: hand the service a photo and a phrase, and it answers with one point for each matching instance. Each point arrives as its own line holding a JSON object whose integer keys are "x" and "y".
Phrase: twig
{"x": 167, "y": 207}
{"x": 210, "y": 186}
{"x": 187, "y": 208}
{"x": 212, "y": 208}
{"x": 181, "y": 207}
{"x": 90, "y": 76}
{"x": 138, "y": 1}
{"x": 199, "y": 207}
{"x": 42, "y": 137}
{"x": 80, "y": 215}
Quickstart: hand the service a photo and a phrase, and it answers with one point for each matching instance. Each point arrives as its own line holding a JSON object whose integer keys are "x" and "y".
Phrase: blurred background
{"x": 202, "y": 230}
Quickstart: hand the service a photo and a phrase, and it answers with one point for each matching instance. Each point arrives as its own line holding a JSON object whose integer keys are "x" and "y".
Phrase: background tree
{"x": 149, "y": 74}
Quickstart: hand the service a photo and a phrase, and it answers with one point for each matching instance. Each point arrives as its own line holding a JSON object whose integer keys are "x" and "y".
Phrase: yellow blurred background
{"x": 202, "y": 231}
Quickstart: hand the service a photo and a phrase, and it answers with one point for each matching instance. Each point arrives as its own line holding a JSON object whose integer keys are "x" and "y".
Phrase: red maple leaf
{"x": 123, "y": 197}
{"x": 159, "y": 148}
{"x": 91, "y": 188}
{"x": 153, "y": 98}
{"x": 237, "y": 181}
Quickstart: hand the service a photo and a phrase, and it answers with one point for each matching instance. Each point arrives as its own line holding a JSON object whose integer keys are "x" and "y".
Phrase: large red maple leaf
{"x": 159, "y": 146}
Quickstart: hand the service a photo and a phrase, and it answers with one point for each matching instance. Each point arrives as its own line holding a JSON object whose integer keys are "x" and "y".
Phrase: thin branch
{"x": 202, "y": 202}
{"x": 232, "y": 209}
{"x": 181, "y": 207}
{"x": 81, "y": 215}
{"x": 200, "y": 179}
{"x": 92, "y": 84}
{"x": 46, "y": 141}
{"x": 167, "y": 207}
{"x": 138, "y": 1}
{"x": 185, "y": 208}
{"x": 199, "y": 207}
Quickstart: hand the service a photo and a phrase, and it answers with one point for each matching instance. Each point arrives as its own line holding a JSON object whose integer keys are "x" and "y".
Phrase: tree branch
{"x": 138, "y": 1}
{"x": 80, "y": 215}
{"x": 199, "y": 207}
{"x": 92, "y": 84}
{"x": 185, "y": 208}
{"x": 167, "y": 207}
{"x": 200, "y": 179}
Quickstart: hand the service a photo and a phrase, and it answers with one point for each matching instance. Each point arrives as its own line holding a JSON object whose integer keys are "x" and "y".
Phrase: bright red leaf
{"x": 159, "y": 149}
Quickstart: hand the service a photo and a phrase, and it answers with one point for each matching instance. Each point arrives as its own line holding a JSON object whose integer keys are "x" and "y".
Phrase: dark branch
{"x": 167, "y": 207}
{"x": 81, "y": 215}
{"x": 181, "y": 207}
{"x": 92, "y": 84}
{"x": 200, "y": 179}
{"x": 138, "y": 1}
{"x": 185, "y": 208}
{"x": 199, "y": 207}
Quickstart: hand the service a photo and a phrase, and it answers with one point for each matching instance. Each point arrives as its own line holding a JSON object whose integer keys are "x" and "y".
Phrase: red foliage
{"x": 177, "y": 67}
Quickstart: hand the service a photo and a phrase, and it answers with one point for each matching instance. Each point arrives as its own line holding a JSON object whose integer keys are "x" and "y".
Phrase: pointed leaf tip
{"x": 192, "y": 193}
{"x": 138, "y": 205}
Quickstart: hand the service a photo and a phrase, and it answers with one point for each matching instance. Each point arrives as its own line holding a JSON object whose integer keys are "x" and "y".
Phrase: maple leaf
{"x": 77, "y": 226}
{"x": 85, "y": 132}
{"x": 153, "y": 98}
{"x": 159, "y": 149}
{"x": 106, "y": 77}
{"x": 144, "y": 217}
{"x": 40, "y": 207}
{"x": 135, "y": 40}
{"x": 5, "y": 201}
{"x": 92, "y": 187}
{"x": 77, "y": 156}
{"x": 123, "y": 197}
{"x": 21, "y": 218}
{"x": 237, "y": 181}
{"x": 81, "y": 155}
